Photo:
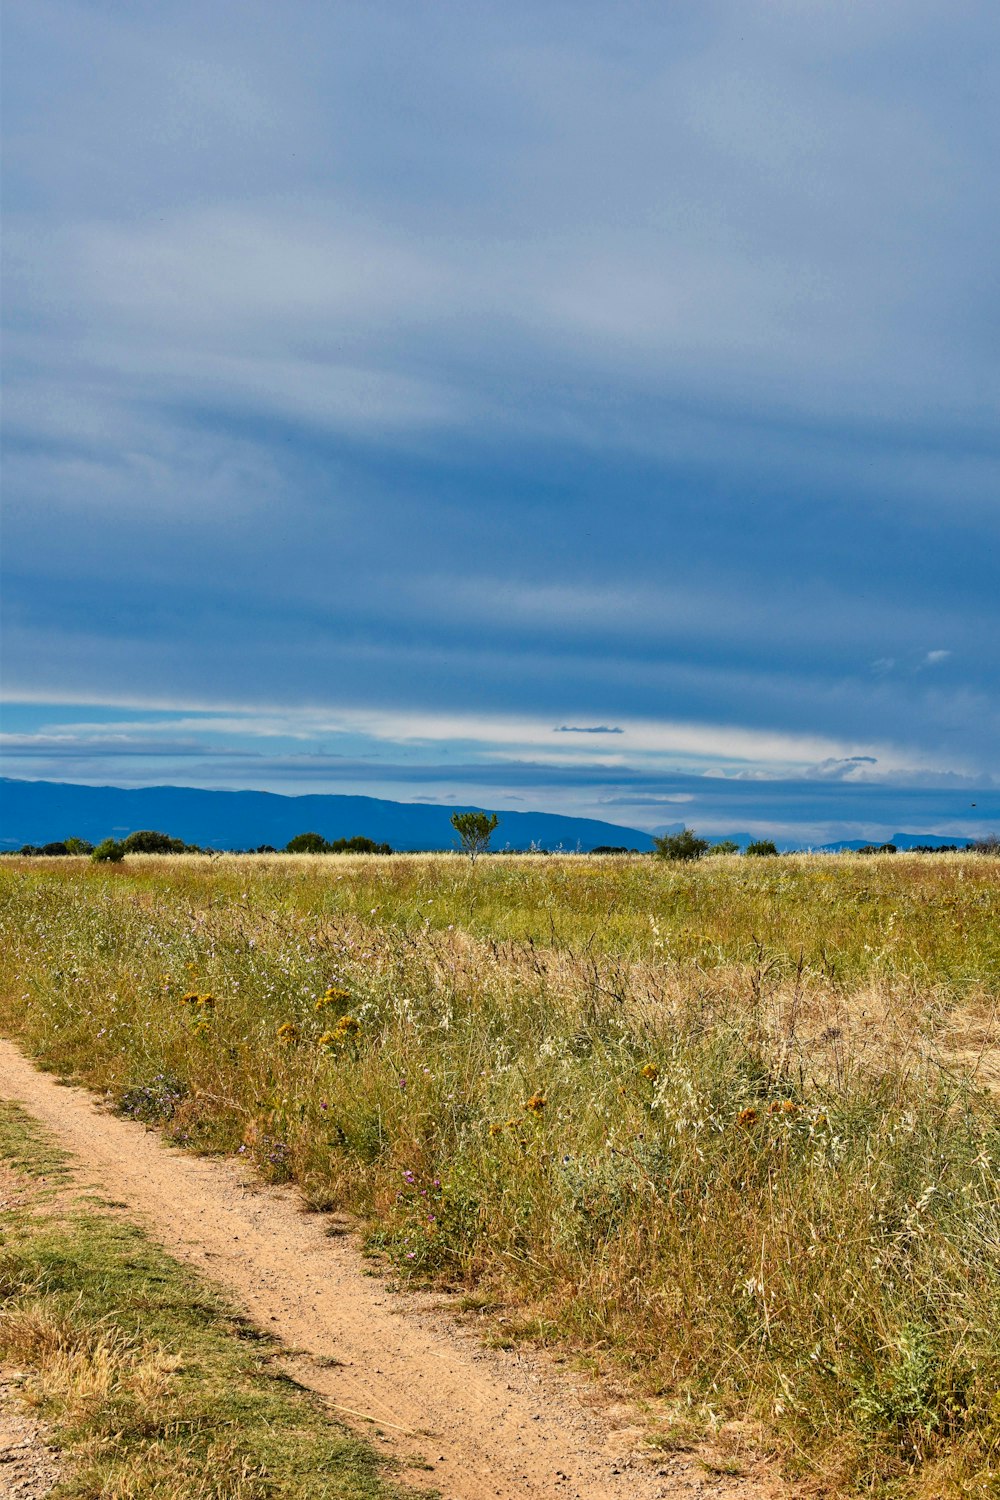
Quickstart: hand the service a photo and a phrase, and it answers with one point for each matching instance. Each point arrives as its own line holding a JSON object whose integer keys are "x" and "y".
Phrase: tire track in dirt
{"x": 488, "y": 1424}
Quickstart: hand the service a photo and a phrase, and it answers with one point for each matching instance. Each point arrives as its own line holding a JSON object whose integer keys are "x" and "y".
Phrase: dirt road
{"x": 488, "y": 1424}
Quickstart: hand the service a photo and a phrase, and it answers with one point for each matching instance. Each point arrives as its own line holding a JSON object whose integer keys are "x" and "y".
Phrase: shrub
{"x": 762, "y": 847}
{"x": 79, "y": 846}
{"x": 307, "y": 843}
{"x": 148, "y": 841}
{"x": 988, "y": 845}
{"x": 724, "y": 846}
{"x": 683, "y": 845}
{"x": 108, "y": 851}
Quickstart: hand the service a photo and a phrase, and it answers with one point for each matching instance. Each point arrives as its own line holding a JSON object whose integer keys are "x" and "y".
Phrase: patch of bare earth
{"x": 471, "y": 1422}
{"x": 29, "y": 1466}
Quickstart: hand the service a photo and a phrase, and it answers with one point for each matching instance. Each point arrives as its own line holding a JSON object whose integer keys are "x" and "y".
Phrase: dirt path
{"x": 488, "y": 1424}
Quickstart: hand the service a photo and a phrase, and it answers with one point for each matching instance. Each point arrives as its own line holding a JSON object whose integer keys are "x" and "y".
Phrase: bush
{"x": 79, "y": 846}
{"x": 725, "y": 846}
{"x": 762, "y": 848}
{"x": 109, "y": 851}
{"x": 988, "y": 845}
{"x": 148, "y": 841}
{"x": 683, "y": 845}
{"x": 307, "y": 843}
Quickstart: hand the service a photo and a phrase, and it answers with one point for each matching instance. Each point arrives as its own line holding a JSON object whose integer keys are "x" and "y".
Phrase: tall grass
{"x": 724, "y": 1125}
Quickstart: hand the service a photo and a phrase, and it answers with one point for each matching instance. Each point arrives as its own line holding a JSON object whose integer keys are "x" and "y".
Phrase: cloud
{"x": 588, "y": 729}
{"x": 934, "y": 657}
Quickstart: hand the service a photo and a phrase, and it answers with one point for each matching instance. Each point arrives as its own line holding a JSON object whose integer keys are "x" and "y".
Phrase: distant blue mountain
{"x": 41, "y": 812}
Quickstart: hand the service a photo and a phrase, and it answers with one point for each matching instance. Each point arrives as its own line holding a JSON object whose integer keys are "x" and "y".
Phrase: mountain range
{"x": 41, "y": 812}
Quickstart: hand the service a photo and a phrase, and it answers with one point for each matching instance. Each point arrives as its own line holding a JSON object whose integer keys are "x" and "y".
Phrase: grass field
{"x": 151, "y": 1383}
{"x": 730, "y": 1125}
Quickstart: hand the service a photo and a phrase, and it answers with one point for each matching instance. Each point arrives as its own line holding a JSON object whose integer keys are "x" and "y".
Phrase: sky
{"x": 572, "y": 407}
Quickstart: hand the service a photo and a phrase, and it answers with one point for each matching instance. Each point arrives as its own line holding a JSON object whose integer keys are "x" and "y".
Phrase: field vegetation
{"x": 729, "y": 1124}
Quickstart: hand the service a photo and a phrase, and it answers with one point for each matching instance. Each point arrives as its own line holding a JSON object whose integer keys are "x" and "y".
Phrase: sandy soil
{"x": 467, "y": 1422}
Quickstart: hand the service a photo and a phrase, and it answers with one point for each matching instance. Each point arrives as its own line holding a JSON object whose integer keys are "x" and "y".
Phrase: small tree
{"x": 475, "y": 829}
{"x": 307, "y": 843}
{"x": 109, "y": 851}
{"x": 762, "y": 847}
{"x": 724, "y": 846}
{"x": 683, "y": 845}
{"x": 79, "y": 846}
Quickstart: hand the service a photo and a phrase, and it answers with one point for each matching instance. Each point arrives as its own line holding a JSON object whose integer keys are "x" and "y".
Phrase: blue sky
{"x": 582, "y": 407}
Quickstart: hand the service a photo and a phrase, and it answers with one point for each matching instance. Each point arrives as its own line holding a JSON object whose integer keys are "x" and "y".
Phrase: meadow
{"x": 729, "y": 1129}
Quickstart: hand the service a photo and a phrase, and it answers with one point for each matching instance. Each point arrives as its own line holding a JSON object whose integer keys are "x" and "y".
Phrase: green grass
{"x": 721, "y": 1124}
{"x": 150, "y": 1381}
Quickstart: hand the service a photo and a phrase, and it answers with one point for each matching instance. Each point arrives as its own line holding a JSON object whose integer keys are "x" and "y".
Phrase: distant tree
{"x": 475, "y": 829}
{"x": 878, "y": 849}
{"x": 79, "y": 846}
{"x": 683, "y": 845}
{"x": 58, "y": 848}
{"x": 264, "y": 849}
{"x": 148, "y": 841}
{"x": 762, "y": 848}
{"x": 611, "y": 849}
{"x": 109, "y": 851}
{"x": 724, "y": 846}
{"x": 990, "y": 844}
{"x": 29, "y": 849}
{"x": 358, "y": 845}
{"x": 307, "y": 843}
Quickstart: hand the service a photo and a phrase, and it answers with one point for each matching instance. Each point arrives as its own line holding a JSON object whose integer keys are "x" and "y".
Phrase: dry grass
{"x": 723, "y": 1123}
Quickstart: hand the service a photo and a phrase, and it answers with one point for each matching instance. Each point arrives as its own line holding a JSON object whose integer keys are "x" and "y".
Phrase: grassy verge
{"x": 714, "y": 1129}
{"x": 151, "y": 1384}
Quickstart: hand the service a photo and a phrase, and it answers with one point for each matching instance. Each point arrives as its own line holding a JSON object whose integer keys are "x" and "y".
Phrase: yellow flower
{"x": 201, "y": 1028}
{"x": 191, "y": 998}
{"x": 496, "y": 1129}
{"x": 288, "y": 1032}
{"x": 348, "y": 1026}
{"x": 536, "y": 1103}
{"x": 334, "y": 995}
{"x": 747, "y": 1117}
{"x": 650, "y": 1071}
{"x": 206, "y": 1002}
{"x": 328, "y": 1039}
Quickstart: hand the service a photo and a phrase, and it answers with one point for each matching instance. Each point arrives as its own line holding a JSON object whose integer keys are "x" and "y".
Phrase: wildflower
{"x": 288, "y": 1032}
{"x": 747, "y": 1117}
{"x": 191, "y": 998}
{"x": 782, "y": 1107}
{"x": 202, "y": 1028}
{"x": 536, "y": 1103}
{"x": 328, "y": 1039}
{"x": 496, "y": 1128}
{"x": 650, "y": 1071}
{"x": 348, "y": 1026}
{"x": 333, "y": 995}
{"x": 206, "y": 1002}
